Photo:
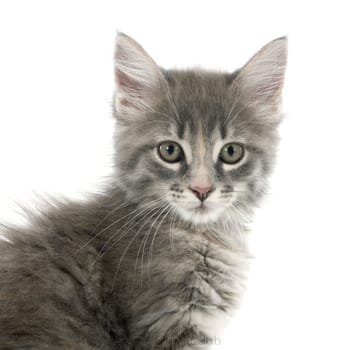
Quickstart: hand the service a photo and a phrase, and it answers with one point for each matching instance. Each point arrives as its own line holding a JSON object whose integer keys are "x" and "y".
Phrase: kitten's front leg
{"x": 188, "y": 307}
{"x": 168, "y": 324}
{"x": 183, "y": 337}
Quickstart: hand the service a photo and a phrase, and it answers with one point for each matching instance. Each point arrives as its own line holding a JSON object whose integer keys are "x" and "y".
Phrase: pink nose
{"x": 202, "y": 193}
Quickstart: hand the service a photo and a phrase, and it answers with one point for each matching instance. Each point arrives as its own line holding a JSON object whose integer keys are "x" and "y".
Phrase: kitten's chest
{"x": 210, "y": 275}
{"x": 195, "y": 282}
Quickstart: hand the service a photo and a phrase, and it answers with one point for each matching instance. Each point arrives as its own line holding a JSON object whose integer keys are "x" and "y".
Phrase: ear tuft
{"x": 137, "y": 76}
{"x": 261, "y": 79}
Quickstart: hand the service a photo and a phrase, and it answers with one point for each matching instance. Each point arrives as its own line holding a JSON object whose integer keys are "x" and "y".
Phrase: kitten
{"x": 157, "y": 261}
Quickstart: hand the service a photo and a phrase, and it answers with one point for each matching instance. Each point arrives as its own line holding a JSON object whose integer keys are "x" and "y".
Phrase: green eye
{"x": 231, "y": 153}
{"x": 170, "y": 151}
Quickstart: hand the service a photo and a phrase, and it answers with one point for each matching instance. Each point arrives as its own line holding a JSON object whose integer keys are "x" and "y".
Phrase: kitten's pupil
{"x": 170, "y": 149}
{"x": 231, "y": 151}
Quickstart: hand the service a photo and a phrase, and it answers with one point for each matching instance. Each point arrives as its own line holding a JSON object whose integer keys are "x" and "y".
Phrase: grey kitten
{"x": 157, "y": 260}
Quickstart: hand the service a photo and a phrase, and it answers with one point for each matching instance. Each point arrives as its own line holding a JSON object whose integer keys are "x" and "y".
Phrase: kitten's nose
{"x": 202, "y": 193}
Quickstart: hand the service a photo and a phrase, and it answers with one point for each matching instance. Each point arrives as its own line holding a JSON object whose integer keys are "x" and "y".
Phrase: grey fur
{"x": 132, "y": 268}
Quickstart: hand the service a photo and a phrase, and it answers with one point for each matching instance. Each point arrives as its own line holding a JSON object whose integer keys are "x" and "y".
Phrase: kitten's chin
{"x": 201, "y": 214}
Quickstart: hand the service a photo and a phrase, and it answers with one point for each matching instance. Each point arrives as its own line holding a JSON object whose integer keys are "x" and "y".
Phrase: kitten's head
{"x": 201, "y": 143}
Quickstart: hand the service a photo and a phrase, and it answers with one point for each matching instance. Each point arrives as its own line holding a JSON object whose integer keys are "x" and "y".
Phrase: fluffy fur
{"x": 146, "y": 264}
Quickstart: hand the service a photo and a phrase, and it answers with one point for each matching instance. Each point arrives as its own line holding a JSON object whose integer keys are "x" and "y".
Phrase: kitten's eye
{"x": 231, "y": 153}
{"x": 170, "y": 151}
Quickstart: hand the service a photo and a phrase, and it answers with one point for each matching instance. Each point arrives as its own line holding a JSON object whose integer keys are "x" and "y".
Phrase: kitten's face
{"x": 197, "y": 142}
{"x": 207, "y": 178}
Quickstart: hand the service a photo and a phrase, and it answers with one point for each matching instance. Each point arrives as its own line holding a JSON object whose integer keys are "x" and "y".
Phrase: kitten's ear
{"x": 261, "y": 79}
{"x": 137, "y": 78}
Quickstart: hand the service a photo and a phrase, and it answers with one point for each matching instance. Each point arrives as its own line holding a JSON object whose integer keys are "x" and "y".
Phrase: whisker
{"x": 101, "y": 253}
{"x": 109, "y": 226}
{"x": 123, "y": 255}
{"x": 171, "y": 233}
{"x": 146, "y": 238}
{"x": 150, "y": 251}
{"x": 141, "y": 244}
{"x": 133, "y": 218}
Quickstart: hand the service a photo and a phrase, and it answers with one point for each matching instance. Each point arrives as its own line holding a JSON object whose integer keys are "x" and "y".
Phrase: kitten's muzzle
{"x": 202, "y": 193}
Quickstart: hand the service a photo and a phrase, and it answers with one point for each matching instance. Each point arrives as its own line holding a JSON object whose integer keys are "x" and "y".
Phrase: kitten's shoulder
{"x": 49, "y": 292}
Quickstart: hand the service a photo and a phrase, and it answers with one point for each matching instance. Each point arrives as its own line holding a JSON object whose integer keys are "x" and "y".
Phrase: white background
{"x": 56, "y": 83}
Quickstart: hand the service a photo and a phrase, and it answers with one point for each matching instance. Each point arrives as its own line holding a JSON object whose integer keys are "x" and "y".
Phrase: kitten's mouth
{"x": 202, "y": 208}
{"x": 200, "y": 213}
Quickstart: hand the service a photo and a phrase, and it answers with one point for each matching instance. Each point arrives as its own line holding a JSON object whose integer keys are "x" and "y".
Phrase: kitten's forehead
{"x": 209, "y": 103}
{"x": 202, "y": 100}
